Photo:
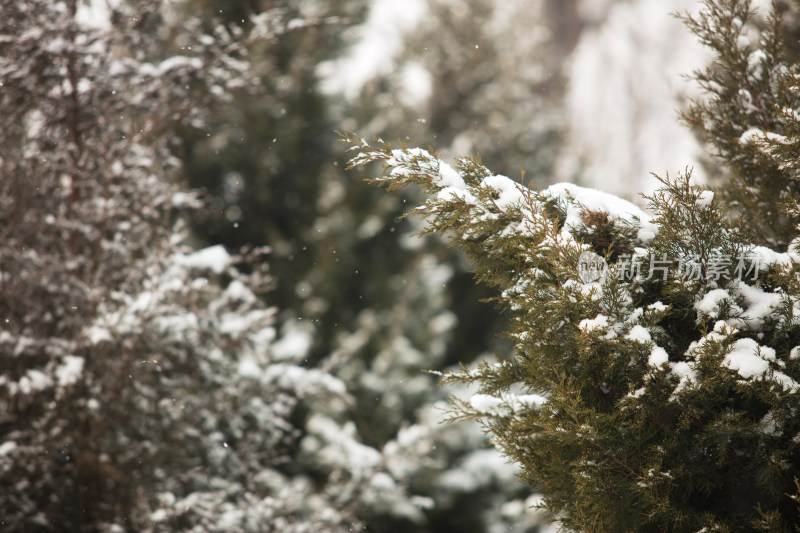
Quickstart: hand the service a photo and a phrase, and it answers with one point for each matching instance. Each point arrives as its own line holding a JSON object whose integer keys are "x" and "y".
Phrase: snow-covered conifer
{"x": 655, "y": 379}
{"x": 384, "y": 305}
{"x": 145, "y": 386}
{"x": 102, "y": 326}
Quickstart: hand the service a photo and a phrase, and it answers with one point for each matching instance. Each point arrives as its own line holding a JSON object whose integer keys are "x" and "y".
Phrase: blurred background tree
{"x": 472, "y": 75}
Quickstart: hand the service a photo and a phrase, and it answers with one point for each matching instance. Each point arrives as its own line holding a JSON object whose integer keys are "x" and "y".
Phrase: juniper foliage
{"x": 659, "y": 394}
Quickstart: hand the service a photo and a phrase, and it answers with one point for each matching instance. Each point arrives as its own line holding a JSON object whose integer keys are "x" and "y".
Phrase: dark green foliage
{"x": 664, "y": 395}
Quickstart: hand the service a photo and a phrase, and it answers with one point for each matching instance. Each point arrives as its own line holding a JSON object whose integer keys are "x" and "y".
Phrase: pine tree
{"x": 656, "y": 375}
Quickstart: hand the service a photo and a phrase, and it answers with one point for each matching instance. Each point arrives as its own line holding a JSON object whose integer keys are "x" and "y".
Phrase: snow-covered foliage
{"x": 659, "y": 395}
{"x": 149, "y": 387}
{"x": 88, "y": 98}
{"x": 238, "y": 433}
{"x": 748, "y": 117}
{"x": 384, "y": 305}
